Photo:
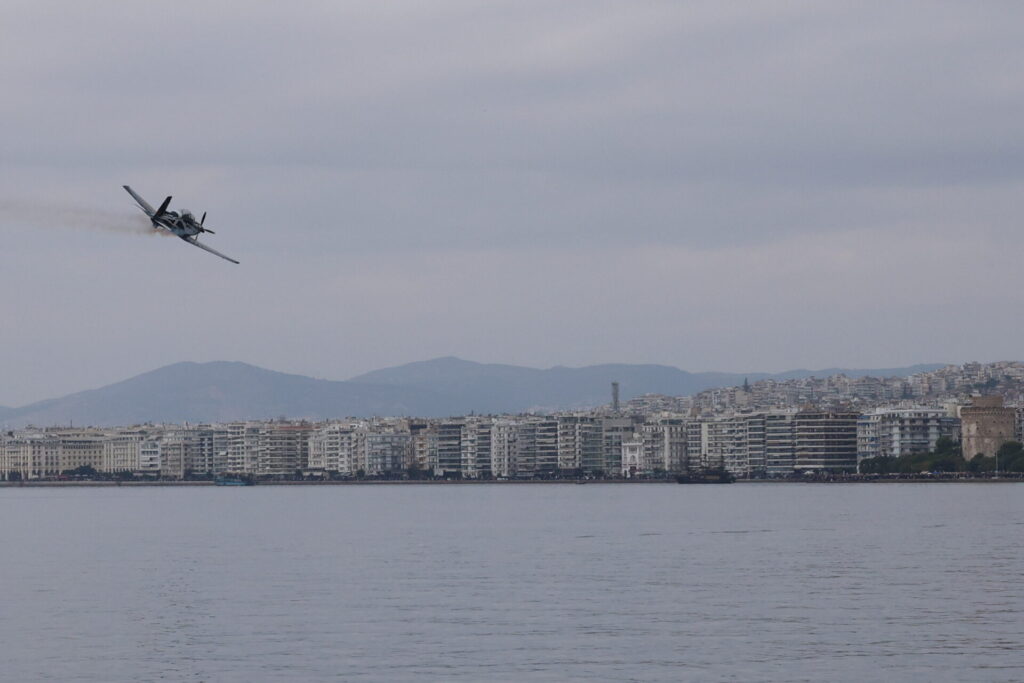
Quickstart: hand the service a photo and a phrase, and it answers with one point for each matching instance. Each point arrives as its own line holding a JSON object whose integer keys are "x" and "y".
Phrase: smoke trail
{"x": 37, "y": 215}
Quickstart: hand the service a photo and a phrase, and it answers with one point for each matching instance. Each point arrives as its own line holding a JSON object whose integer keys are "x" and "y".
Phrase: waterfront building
{"x": 732, "y": 444}
{"x": 537, "y": 447}
{"x": 891, "y": 433}
{"x": 546, "y": 446}
{"x": 723, "y": 445}
{"x": 632, "y": 456}
{"x": 826, "y": 440}
{"x": 29, "y": 456}
{"x": 579, "y": 443}
{"x": 526, "y": 449}
{"x": 449, "y": 448}
{"x": 985, "y": 426}
{"x": 474, "y": 445}
{"x": 779, "y": 443}
{"x": 754, "y": 438}
{"x": 423, "y": 436}
{"x": 614, "y": 430}
{"x": 173, "y": 448}
{"x": 149, "y": 456}
{"x": 208, "y": 449}
{"x": 121, "y": 451}
{"x": 81, "y": 449}
{"x": 665, "y": 441}
{"x": 243, "y": 444}
{"x": 337, "y": 448}
{"x": 504, "y": 433}
{"x": 477, "y": 450}
{"x": 387, "y": 452}
{"x": 283, "y": 448}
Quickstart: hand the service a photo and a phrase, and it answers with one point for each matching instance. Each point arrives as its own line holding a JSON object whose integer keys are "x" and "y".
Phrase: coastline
{"x": 514, "y": 482}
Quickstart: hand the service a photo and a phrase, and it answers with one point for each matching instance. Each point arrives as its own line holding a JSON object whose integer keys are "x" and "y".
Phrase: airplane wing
{"x": 196, "y": 243}
{"x": 141, "y": 202}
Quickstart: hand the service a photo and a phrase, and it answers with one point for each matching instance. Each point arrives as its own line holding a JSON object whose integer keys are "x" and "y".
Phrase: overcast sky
{"x": 729, "y": 186}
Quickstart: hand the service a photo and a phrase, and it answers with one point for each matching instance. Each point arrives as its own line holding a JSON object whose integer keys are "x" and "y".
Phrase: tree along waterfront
{"x": 947, "y": 458}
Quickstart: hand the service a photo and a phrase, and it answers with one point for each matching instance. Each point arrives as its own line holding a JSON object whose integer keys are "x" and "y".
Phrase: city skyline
{"x": 939, "y": 387}
{"x": 773, "y": 443}
{"x": 447, "y": 385}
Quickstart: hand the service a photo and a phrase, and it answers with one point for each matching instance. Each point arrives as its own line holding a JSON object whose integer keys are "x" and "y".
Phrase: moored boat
{"x": 708, "y": 477}
{"x": 232, "y": 481}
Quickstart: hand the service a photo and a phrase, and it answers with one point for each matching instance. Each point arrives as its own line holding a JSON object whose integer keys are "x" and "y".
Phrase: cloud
{"x": 753, "y": 186}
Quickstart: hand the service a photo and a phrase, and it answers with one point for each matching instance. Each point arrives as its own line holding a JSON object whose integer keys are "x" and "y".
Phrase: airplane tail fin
{"x": 163, "y": 208}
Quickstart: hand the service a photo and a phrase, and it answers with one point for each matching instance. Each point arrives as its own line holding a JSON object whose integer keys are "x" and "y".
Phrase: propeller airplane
{"x": 183, "y": 225}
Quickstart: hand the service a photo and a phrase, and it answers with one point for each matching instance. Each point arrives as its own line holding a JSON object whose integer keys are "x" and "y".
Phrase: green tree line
{"x": 947, "y": 458}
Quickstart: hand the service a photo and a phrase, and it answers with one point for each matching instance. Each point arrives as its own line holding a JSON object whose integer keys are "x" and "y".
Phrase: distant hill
{"x": 223, "y": 391}
{"x": 510, "y": 388}
{"x": 218, "y": 391}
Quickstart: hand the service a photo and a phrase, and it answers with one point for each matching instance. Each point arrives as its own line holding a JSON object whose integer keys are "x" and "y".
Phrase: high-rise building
{"x": 826, "y": 440}
{"x": 283, "y": 448}
{"x": 449, "y": 448}
{"x": 477, "y": 448}
{"x": 779, "y": 443}
{"x": 337, "y": 448}
{"x": 614, "y": 430}
{"x": 243, "y": 444}
{"x": 423, "y": 435}
{"x": 579, "y": 443}
{"x": 891, "y": 433}
{"x": 504, "y": 433}
{"x": 665, "y": 441}
{"x": 387, "y": 452}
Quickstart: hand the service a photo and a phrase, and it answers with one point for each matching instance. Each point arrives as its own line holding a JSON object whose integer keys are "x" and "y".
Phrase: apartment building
{"x": 664, "y": 440}
{"x": 779, "y": 443}
{"x": 614, "y": 430}
{"x": 29, "y": 456}
{"x": 337, "y": 448}
{"x": 504, "y": 448}
{"x": 283, "y": 448}
{"x": 81, "y": 449}
{"x": 826, "y": 440}
{"x": 579, "y": 443}
{"x": 122, "y": 451}
{"x": 891, "y": 433}
{"x": 449, "y": 448}
{"x": 387, "y": 452}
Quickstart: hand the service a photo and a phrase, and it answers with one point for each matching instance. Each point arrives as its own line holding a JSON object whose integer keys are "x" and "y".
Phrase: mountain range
{"x": 223, "y": 391}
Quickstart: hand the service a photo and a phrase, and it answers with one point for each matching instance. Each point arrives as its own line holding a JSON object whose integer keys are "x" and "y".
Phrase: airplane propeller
{"x": 203, "y": 220}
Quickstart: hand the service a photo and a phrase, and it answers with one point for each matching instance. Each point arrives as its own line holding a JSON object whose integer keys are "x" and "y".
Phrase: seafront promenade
{"x": 1008, "y": 478}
